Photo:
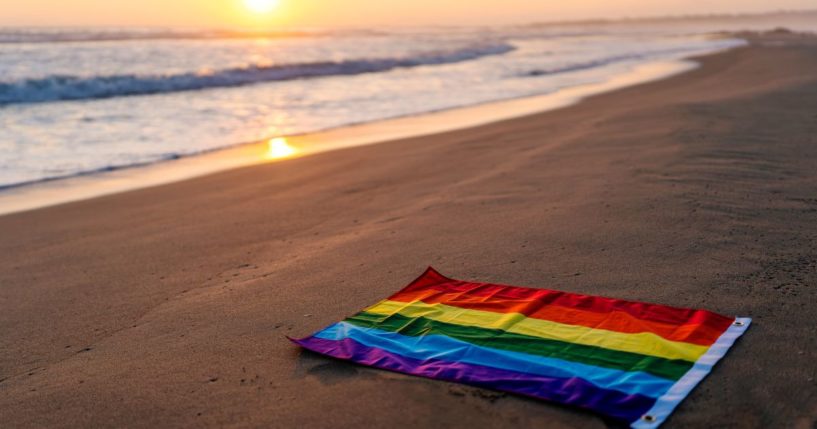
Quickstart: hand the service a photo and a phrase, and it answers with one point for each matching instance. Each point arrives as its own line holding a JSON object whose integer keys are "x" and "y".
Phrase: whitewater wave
{"x": 586, "y": 65}
{"x": 601, "y": 62}
{"x": 65, "y": 88}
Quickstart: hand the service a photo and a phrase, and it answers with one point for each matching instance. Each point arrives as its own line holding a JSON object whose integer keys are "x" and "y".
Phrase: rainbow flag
{"x": 629, "y": 361}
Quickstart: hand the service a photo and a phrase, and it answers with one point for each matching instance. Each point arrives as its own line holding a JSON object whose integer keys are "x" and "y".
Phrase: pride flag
{"x": 629, "y": 361}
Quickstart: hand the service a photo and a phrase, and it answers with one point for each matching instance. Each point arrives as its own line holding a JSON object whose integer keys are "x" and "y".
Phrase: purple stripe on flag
{"x": 571, "y": 391}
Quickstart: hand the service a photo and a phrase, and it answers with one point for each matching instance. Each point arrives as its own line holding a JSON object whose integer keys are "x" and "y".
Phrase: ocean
{"x": 82, "y": 101}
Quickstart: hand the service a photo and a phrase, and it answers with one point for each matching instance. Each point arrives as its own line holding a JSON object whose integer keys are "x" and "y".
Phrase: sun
{"x": 261, "y": 6}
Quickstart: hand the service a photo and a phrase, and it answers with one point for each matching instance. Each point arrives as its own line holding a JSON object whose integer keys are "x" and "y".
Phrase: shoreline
{"x": 170, "y": 306}
{"x": 82, "y": 186}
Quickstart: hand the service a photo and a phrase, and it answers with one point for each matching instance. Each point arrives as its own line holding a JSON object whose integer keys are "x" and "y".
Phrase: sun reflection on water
{"x": 278, "y": 148}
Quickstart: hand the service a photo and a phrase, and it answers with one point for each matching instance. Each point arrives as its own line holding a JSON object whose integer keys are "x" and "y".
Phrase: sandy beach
{"x": 170, "y": 305}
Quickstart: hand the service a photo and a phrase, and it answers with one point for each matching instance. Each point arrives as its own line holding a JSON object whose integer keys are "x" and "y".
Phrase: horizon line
{"x": 585, "y": 21}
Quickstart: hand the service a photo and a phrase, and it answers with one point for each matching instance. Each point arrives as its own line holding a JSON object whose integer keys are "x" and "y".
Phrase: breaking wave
{"x": 60, "y": 87}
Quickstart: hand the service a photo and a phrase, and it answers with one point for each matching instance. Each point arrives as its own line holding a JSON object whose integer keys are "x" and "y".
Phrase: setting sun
{"x": 261, "y": 6}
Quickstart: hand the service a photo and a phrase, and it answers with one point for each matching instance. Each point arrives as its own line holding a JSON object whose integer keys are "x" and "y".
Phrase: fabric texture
{"x": 629, "y": 361}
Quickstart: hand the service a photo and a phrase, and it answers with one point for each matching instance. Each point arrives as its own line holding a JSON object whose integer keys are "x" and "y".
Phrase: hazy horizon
{"x": 317, "y": 13}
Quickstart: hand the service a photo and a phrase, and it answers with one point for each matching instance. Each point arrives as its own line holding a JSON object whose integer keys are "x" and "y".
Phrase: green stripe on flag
{"x": 498, "y": 339}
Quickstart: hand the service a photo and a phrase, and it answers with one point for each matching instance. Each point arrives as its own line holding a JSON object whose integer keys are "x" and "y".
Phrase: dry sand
{"x": 169, "y": 306}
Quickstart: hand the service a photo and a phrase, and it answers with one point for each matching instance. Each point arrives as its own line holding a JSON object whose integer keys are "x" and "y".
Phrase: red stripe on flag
{"x": 676, "y": 324}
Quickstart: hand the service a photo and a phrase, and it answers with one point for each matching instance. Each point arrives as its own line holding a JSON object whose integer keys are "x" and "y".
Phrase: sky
{"x": 329, "y": 13}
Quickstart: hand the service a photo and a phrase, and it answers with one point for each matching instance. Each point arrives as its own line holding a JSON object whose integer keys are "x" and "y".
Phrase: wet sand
{"x": 169, "y": 306}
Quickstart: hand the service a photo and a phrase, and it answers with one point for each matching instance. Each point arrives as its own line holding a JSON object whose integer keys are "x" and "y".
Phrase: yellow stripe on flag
{"x": 644, "y": 343}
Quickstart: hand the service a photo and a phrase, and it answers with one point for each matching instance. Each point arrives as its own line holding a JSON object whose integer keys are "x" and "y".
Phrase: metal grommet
{"x": 738, "y": 323}
{"x": 648, "y": 418}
